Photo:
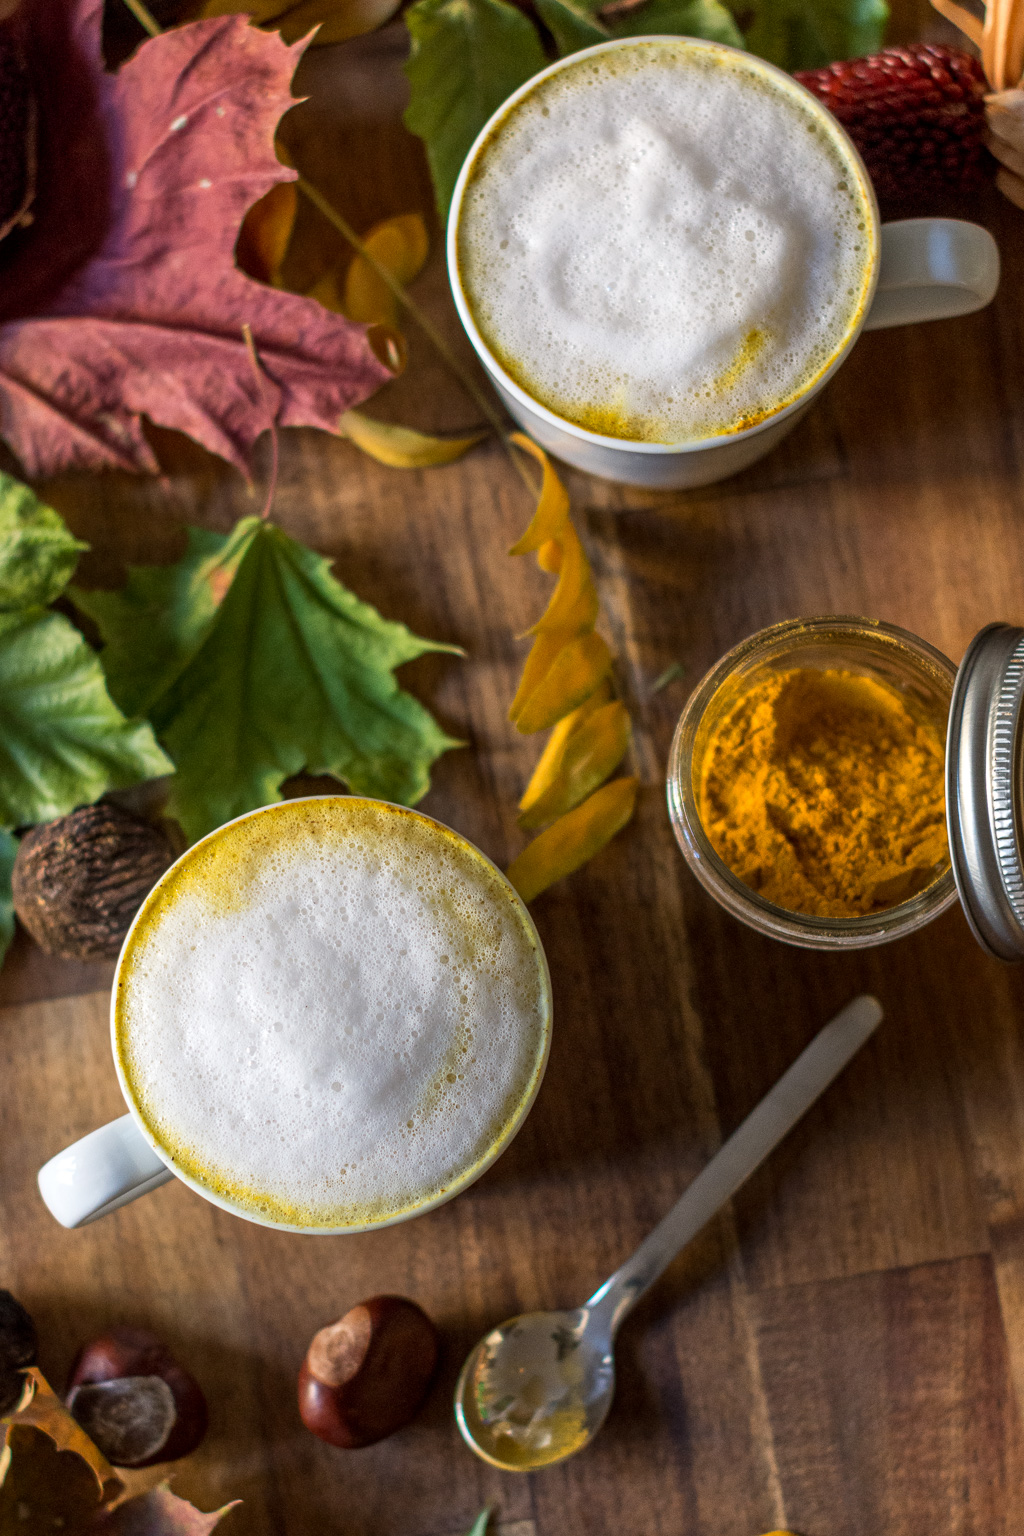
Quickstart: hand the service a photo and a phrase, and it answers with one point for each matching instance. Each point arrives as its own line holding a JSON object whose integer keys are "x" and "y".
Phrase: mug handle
{"x": 103, "y": 1171}
{"x": 932, "y": 269}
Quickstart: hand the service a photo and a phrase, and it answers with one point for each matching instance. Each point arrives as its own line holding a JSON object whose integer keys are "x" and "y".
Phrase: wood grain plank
{"x": 837, "y": 1352}
{"x": 892, "y": 1405}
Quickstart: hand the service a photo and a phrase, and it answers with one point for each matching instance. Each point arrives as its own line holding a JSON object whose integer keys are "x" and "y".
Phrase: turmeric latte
{"x": 824, "y": 792}
{"x": 330, "y": 1012}
{"x": 665, "y": 241}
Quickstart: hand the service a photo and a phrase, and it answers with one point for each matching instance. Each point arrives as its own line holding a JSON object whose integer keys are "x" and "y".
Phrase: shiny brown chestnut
{"x": 134, "y": 1400}
{"x": 368, "y": 1374}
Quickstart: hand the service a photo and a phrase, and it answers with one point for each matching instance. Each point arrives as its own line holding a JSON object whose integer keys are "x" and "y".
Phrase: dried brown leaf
{"x": 44, "y": 1489}
{"x": 159, "y": 1513}
{"x": 123, "y": 300}
{"x": 44, "y": 1410}
{"x": 53, "y": 1478}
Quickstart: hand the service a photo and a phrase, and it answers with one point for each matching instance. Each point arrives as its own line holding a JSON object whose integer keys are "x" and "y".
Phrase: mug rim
{"x": 465, "y": 1179}
{"x": 632, "y": 445}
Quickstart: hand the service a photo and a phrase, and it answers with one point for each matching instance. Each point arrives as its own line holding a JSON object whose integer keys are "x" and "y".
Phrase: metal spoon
{"x": 537, "y": 1389}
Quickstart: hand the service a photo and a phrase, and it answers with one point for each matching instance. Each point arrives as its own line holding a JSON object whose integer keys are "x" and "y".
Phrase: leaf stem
{"x": 144, "y": 18}
{"x": 423, "y": 320}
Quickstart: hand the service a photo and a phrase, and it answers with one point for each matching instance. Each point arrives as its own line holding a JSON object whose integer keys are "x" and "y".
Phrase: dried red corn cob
{"x": 916, "y": 114}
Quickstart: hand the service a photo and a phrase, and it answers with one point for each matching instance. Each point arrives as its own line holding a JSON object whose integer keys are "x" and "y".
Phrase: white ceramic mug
{"x": 924, "y": 269}
{"x": 123, "y": 1160}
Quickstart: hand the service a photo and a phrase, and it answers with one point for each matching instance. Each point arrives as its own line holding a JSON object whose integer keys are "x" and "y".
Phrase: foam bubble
{"x": 331, "y": 1012}
{"x": 662, "y": 244}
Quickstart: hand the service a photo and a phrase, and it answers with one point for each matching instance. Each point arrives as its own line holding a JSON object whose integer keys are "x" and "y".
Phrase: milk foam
{"x": 331, "y": 1012}
{"x": 663, "y": 243}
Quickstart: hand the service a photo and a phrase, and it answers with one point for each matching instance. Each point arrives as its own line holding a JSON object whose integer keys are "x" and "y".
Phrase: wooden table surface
{"x": 842, "y": 1351}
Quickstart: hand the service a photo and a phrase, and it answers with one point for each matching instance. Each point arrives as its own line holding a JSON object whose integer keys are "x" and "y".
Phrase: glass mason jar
{"x": 901, "y": 663}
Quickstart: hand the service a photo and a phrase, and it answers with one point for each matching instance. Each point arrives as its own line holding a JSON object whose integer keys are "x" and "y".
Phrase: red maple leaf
{"x": 122, "y": 299}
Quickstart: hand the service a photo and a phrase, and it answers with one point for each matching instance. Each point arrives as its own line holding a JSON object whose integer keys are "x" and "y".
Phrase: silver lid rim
{"x": 983, "y": 816}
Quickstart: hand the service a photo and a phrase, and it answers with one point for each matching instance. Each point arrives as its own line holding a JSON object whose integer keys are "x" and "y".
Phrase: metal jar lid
{"x": 985, "y": 788}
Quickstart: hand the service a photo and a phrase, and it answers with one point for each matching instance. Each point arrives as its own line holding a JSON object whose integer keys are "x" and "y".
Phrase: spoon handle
{"x": 747, "y": 1147}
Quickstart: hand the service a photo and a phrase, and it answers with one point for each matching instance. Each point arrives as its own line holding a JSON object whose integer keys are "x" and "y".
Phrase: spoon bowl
{"x": 538, "y": 1388}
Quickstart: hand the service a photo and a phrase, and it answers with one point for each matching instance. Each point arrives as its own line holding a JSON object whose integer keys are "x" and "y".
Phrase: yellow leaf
{"x": 574, "y": 604}
{"x": 574, "y": 838}
{"x": 401, "y": 447}
{"x": 400, "y": 245}
{"x": 367, "y": 297}
{"x": 549, "y": 557}
{"x": 386, "y": 341}
{"x": 549, "y": 762}
{"x": 542, "y": 653}
{"x": 337, "y": 19}
{"x": 326, "y": 292}
{"x": 552, "y": 512}
{"x": 572, "y": 676}
{"x": 592, "y": 752}
{"x": 265, "y": 233}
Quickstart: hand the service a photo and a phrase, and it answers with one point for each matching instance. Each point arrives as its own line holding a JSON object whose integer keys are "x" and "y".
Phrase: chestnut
{"x": 134, "y": 1401}
{"x": 367, "y": 1374}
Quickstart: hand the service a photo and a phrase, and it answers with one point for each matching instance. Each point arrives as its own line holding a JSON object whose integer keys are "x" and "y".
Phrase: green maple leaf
{"x": 575, "y": 25}
{"x": 253, "y": 663}
{"x": 807, "y": 34}
{"x": 467, "y": 57}
{"x": 37, "y": 553}
{"x": 679, "y": 18}
{"x": 63, "y": 741}
{"x": 572, "y": 24}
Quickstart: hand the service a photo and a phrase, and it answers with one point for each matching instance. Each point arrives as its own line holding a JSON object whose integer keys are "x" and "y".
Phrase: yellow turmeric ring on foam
{"x": 823, "y": 791}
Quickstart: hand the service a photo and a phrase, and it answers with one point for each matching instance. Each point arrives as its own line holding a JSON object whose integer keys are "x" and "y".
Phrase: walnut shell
{"x": 80, "y": 880}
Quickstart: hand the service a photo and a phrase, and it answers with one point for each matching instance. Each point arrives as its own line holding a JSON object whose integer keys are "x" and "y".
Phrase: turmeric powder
{"x": 823, "y": 791}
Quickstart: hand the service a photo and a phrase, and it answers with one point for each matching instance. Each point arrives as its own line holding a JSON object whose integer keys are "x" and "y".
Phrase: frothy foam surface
{"x": 663, "y": 243}
{"x": 331, "y": 1012}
